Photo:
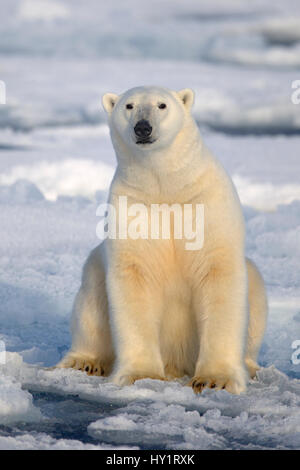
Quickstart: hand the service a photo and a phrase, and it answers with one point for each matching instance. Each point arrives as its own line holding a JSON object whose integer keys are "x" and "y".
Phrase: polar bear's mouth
{"x": 145, "y": 141}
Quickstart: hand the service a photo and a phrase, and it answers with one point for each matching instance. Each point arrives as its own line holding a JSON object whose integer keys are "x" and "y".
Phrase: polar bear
{"x": 150, "y": 307}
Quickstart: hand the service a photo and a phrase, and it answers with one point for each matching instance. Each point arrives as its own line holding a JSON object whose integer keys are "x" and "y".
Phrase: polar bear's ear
{"x": 187, "y": 97}
{"x": 109, "y": 100}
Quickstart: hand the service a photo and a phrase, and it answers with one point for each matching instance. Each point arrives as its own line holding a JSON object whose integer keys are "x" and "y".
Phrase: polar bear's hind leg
{"x": 258, "y": 310}
{"x": 91, "y": 350}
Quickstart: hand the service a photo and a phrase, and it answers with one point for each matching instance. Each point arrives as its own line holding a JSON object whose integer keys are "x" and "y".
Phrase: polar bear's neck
{"x": 164, "y": 171}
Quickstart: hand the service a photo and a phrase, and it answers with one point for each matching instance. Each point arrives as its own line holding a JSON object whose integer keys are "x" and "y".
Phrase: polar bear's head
{"x": 147, "y": 118}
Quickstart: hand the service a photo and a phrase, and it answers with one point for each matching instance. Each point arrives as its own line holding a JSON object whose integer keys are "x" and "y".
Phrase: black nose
{"x": 143, "y": 129}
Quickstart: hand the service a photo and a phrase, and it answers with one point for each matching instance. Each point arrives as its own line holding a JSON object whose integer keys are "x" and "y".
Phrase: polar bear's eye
{"x": 129, "y": 106}
{"x": 162, "y": 105}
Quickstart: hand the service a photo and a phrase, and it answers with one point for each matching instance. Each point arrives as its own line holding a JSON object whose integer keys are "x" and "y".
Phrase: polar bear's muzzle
{"x": 143, "y": 131}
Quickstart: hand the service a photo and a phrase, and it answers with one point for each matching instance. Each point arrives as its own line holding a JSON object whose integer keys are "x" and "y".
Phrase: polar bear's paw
{"x": 86, "y": 364}
{"x": 126, "y": 379}
{"x": 232, "y": 383}
{"x": 252, "y": 367}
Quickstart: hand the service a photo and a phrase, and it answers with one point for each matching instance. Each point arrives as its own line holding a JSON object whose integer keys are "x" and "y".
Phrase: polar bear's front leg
{"x": 134, "y": 311}
{"x": 221, "y": 311}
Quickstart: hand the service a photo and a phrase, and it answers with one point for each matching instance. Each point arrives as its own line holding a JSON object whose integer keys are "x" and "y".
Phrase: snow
{"x": 42, "y": 441}
{"x": 215, "y": 420}
{"x": 32, "y": 10}
{"x": 227, "y": 50}
{"x": 284, "y": 31}
{"x": 62, "y": 178}
{"x": 265, "y": 196}
{"x": 15, "y": 403}
{"x": 56, "y": 162}
{"x": 155, "y": 414}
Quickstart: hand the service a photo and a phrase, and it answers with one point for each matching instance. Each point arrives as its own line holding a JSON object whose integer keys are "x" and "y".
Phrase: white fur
{"x": 151, "y": 308}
